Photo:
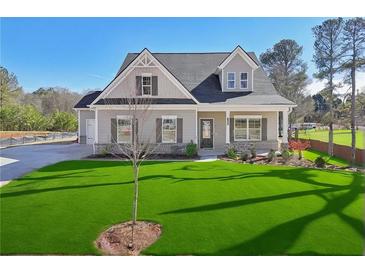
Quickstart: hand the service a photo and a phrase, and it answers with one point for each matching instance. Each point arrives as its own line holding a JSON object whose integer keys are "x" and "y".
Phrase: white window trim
{"x": 244, "y": 80}
{"x": 124, "y": 117}
{"x": 248, "y": 117}
{"x": 150, "y": 85}
{"x": 165, "y": 117}
{"x": 231, "y": 80}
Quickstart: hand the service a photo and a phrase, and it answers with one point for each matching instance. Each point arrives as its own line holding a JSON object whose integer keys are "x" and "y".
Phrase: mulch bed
{"x": 116, "y": 239}
{"x": 293, "y": 161}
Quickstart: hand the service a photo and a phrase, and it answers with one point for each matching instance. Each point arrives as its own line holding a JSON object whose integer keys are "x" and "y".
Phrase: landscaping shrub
{"x": 244, "y": 156}
{"x": 106, "y": 150}
{"x": 231, "y": 153}
{"x": 271, "y": 155}
{"x": 253, "y": 152}
{"x": 320, "y": 162}
{"x": 299, "y": 146}
{"x": 285, "y": 154}
{"x": 191, "y": 150}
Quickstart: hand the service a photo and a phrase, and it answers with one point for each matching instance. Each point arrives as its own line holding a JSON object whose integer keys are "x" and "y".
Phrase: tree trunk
{"x": 353, "y": 126}
{"x": 330, "y": 138}
{"x": 330, "y": 132}
{"x": 135, "y": 201}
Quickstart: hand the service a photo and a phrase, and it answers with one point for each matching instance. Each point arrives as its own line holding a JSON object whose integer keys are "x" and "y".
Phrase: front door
{"x": 90, "y": 131}
{"x": 206, "y": 133}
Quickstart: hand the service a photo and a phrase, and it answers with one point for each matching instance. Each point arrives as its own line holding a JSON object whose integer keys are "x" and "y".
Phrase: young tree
{"x": 287, "y": 71}
{"x": 137, "y": 145}
{"x": 354, "y": 59}
{"x": 327, "y": 56}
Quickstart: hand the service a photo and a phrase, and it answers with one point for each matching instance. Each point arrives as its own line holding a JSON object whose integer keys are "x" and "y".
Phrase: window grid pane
{"x": 146, "y": 85}
{"x": 243, "y": 80}
{"x": 231, "y": 81}
{"x": 243, "y": 83}
{"x": 146, "y": 80}
{"x": 231, "y": 76}
{"x": 146, "y": 90}
{"x": 243, "y": 76}
{"x": 240, "y": 132}
{"x": 169, "y": 130}
{"x": 254, "y": 129}
{"x": 124, "y": 130}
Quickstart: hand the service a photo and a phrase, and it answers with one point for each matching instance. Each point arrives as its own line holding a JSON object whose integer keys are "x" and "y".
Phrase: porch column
{"x": 196, "y": 127}
{"x": 285, "y": 127}
{"x": 96, "y": 137}
{"x": 95, "y": 131}
{"x": 78, "y": 125}
{"x": 228, "y": 113}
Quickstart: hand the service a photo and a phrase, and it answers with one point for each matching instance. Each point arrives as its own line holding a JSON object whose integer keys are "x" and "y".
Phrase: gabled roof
{"x": 197, "y": 73}
{"x": 240, "y": 51}
{"x": 87, "y": 99}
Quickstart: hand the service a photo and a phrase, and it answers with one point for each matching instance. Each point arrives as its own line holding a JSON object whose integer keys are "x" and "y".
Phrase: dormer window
{"x": 243, "y": 80}
{"x": 231, "y": 80}
{"x": 146, "y": 84}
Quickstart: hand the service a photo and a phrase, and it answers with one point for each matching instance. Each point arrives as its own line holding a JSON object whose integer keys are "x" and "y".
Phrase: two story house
{"x": 215, "y": 100}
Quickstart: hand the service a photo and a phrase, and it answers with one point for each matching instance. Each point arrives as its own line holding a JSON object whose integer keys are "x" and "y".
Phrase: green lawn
{"x": 341, "y": 136}
{"x": 209, "y": 208}
{"x": 311, "y": 155}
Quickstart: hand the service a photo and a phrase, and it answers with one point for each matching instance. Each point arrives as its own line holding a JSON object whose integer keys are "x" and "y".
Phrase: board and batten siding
{"x": 84, "y": 114}
{"x": 149, "y": 126}
{"x": 237, "y": 65}
{"x": 166, "y": 89}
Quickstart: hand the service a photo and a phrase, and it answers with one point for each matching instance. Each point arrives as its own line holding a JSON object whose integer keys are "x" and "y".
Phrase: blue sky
{"x": 85, "y": 53}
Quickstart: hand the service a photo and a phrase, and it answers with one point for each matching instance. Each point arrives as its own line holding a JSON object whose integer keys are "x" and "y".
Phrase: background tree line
{"x": 44, "y": 109}
{"x": 339, "y": 48}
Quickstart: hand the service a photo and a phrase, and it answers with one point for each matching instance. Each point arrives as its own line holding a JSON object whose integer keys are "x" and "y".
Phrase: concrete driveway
{"x": 16, "y": 161}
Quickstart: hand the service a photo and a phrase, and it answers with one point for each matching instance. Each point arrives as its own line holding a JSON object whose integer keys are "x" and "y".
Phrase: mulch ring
{"x": 116, "y": 239}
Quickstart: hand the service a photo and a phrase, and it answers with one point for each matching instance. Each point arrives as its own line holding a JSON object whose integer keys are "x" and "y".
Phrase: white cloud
{"x": 317, "y": 86}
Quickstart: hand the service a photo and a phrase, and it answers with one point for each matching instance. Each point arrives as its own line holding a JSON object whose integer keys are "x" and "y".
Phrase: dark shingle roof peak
{"x": 87, "y": 99}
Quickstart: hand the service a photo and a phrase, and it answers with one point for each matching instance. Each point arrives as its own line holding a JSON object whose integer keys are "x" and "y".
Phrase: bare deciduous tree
{"x": 354, "y": 59}
{"x": 140, "y": 145}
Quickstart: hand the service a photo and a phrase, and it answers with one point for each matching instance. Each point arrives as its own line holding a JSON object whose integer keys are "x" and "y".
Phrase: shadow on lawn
{"x": 275, "y": 241}
{"x": 42, "y": 190}
{"x": 279, "y": 239}
{"x": 93, "y": 164}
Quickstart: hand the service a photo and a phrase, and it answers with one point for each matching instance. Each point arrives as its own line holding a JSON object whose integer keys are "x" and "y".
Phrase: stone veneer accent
{"x": 173, "y": 149}
{"x": 259, "y": 145}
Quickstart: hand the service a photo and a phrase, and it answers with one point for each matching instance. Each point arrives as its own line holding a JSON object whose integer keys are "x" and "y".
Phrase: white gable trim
{"x": 137, "y": 63}
{"x": 238, "y": 50}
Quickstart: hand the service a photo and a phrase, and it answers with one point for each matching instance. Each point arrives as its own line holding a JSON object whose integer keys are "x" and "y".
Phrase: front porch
{"x": 218, "y": 130}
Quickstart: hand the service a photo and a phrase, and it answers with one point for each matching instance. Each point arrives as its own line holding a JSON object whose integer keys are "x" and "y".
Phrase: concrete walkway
{"x": 16, "y": 161}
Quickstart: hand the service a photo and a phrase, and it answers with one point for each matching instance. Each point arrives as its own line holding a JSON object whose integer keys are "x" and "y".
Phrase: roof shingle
{"x": 197, "y": 73}
{"x": 87, "y": 99}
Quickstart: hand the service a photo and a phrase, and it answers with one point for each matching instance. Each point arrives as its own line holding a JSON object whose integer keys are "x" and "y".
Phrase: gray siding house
{"x": 215, "y": 100}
